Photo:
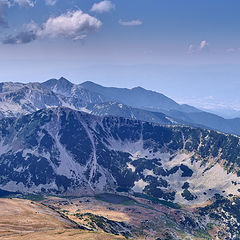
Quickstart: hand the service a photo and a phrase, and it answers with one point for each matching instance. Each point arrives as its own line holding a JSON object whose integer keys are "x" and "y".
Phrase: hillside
{"x": 24, "y": 219}
{"x": 64, "y": 151}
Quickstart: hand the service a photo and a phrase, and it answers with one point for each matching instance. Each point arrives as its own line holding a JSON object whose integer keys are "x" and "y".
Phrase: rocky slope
{"x": 17, "y": 99}
{"x": 63, "y": 151}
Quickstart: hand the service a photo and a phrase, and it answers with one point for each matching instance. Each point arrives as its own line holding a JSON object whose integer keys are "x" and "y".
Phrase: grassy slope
{"x": 24, "y": 219}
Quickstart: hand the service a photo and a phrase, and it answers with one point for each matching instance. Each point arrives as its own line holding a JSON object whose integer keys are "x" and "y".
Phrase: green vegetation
{"x": 210, "y": 226}
{"x": 6, "y": 194}
{"x": 224, "y": 211}
{"x": 108, "y": 226}
{"x": 33, "y": 197}
{"x": 188, "y": 195}
{"x": 115, "y": 199}
{"x": 122, "y": 189}
{"x": 157, "y": 201}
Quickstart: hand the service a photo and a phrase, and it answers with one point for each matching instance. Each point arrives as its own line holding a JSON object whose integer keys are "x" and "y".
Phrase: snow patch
{"x": 147, "y": 172}
{"x": 13, "y": 186}
{"x": 68, "y": 166}
{"x": 205, "y": 181}
{"x": 130, "y": 166}
{"x": 139, "y": 186}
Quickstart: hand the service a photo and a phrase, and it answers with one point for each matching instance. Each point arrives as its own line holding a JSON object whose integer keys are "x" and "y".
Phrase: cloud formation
{"x": 20, "y": 38}
{"x": 50, "y": 2}
{"x": 72, "y": 25}
{"x": 130, "y": 23}
{"x": 104, "y": 6}
{"x": 203, "y": 46}
{"x": 21, "y": 3}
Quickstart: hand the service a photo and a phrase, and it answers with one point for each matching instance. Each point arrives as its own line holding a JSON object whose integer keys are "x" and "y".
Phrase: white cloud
{"x": 203, "y": 44}
{"x": 130, "y": 23}
{"x": 50, "y": 2}
{"x": 72, "y": 25}
{"x": 104, "y": 6}
{"x": 23, "y": 3}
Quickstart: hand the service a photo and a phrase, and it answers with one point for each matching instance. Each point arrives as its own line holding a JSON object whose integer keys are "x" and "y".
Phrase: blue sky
{"x": 188, "y": 50}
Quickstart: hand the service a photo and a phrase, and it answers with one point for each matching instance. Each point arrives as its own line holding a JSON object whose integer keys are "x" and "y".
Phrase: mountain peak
{"x": 64, "y": 80}
{"x": 61, "y": 85}
{"x": 64, "y": 83}
{"x": 53, "y": 82}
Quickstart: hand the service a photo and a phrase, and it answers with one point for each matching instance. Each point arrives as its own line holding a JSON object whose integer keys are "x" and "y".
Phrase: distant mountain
{"x": 121, "y": 110}
{"x": 227, "y": 113}
{"x": 17, "y": 99}
{"x": 138, "y": 97}
{"x": 62, "y": 151}
{"x": 153, "y": 101}
{"x": 210, "y": 120}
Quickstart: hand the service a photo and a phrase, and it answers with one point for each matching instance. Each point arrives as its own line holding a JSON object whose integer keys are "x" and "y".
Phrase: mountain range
{"x": 18, "y": 99}
{"x": 64, "y": 139}
{"x": 61, "y": 137}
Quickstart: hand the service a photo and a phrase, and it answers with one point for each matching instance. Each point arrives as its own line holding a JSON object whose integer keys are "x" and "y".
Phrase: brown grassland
{"x": 28, "y": 220}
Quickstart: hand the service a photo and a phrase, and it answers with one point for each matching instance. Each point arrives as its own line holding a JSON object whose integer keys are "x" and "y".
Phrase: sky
{"x": 188, "y": 50}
